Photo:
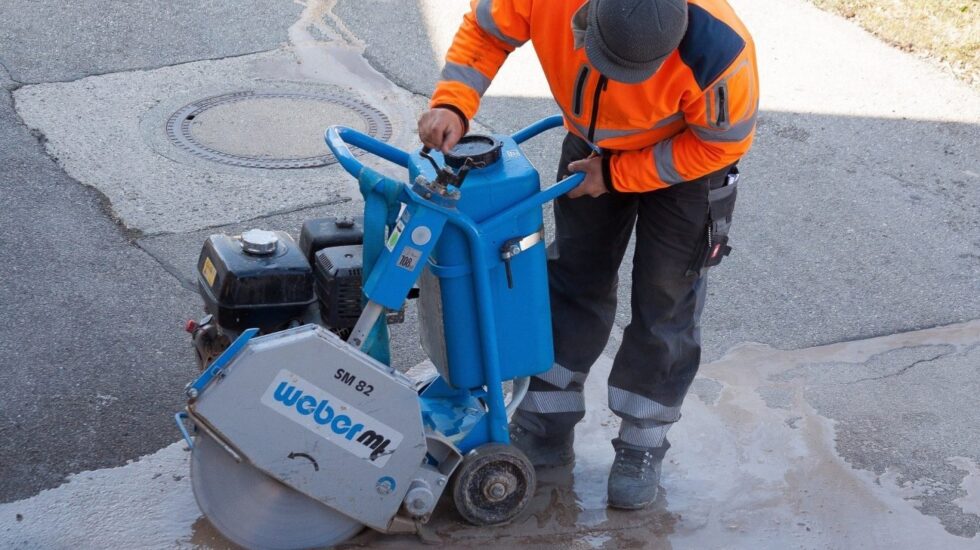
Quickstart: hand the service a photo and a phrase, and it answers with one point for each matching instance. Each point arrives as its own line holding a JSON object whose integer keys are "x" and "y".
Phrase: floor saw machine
{"x": 301, "y": 434}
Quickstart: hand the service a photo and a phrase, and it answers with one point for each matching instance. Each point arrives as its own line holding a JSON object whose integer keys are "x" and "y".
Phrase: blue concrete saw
{"x": 301, "y": 433}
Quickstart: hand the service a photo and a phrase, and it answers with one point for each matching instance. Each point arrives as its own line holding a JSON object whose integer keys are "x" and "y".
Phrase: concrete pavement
{"x": 858, "y": 219}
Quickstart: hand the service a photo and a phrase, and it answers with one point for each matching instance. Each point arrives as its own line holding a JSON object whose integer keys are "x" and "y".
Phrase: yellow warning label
{"x": 208, "y": 271}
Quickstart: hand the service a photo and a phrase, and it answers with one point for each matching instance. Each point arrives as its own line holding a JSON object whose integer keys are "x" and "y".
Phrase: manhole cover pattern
{"x": 179, "y": 128}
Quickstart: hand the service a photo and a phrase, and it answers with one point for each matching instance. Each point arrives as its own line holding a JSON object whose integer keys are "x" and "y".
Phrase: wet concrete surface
{"x": 756, "y": 463}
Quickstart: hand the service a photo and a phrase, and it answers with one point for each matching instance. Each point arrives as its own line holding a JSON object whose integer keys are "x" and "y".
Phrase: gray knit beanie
{"x": 628, "y": 40}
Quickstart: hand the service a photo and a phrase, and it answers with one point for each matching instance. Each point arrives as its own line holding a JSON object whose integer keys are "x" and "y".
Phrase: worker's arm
{"x": 720, "y": 128}
{"x": 489, "y": 32}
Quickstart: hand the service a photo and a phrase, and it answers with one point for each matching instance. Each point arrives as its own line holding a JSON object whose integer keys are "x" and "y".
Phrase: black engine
{"x": 263, "y": 279}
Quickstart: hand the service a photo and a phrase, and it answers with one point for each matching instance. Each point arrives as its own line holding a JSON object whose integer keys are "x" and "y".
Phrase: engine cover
{"x": 242, "y": 290}
{"x": 338, "y": 273}
{"x": 320, "y": 416}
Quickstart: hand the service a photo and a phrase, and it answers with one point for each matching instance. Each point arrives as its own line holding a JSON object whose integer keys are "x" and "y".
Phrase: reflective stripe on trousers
{"x": 661, "y": 348}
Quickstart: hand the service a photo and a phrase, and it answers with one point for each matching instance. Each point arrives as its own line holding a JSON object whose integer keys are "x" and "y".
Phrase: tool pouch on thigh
{"x": 721, "y": 205}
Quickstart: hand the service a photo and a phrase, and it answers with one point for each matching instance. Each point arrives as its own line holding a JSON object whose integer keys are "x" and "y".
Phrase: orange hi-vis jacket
{"x": 694, "y": 116}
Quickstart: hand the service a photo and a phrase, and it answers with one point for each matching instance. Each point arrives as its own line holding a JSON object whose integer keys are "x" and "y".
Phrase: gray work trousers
{"x": 661, "y": 348}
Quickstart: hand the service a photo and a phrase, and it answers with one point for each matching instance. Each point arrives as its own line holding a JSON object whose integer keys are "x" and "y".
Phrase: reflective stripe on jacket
{"x": 694, "y": 116}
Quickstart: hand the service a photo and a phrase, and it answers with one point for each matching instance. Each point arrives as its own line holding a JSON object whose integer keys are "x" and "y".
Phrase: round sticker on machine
{"x": 421, "y": 235}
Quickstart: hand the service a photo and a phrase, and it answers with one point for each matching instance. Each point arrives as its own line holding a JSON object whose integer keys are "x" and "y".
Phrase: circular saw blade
{"x": 254, "y": 510}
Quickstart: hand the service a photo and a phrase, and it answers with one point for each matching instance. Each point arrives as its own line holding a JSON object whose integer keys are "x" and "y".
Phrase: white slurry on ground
{"x": 970, "y": 501}
{"x": 144, "y": 504}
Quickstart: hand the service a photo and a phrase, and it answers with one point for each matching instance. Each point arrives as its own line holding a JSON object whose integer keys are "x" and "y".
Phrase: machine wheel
{"x": 493, "y": 485}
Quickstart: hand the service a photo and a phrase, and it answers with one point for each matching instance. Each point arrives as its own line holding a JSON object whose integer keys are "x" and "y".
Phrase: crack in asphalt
{"x": 170, "y": 268}
{"x": 147, "y": 67}
{"x": 5, "y": 75}
{"x": 904, "y": 369}
{"x": 105, "y": 204}
{"x": 883, "y": 333}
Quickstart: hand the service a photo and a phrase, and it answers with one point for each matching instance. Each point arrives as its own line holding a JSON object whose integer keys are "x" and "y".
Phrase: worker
{"x": 659, "y": 98}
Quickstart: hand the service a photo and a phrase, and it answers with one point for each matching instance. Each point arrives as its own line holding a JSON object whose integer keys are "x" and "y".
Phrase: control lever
{"x": 425, "y": 154}
{"x": 508, "y": 251}
{"x": 445, "y": 175}
{"x": 461, "y": 175}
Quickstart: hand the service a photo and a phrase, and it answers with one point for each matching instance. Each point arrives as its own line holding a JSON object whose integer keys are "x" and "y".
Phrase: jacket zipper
{"x": 583, "y": 75}
{"x": 722, "y": 107}
{"x": 599, "y": 87}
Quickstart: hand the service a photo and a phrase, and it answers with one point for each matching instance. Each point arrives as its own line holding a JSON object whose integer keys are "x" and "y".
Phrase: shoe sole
{"x": 632, "y": 505}
{"x": 621, "y": 506}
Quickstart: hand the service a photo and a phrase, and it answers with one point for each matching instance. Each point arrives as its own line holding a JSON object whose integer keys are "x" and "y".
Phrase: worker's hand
{"x": 440, "y": 129}
{"x": 593, "y": 185}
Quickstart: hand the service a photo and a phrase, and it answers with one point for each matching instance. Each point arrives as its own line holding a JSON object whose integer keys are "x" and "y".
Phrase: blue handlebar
{"x": 538, "y": 127}
{"x": 337, "y": 138}
{"x": 534, "y": 201}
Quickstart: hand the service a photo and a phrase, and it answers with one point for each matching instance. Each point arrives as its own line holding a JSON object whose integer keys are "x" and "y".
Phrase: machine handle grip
{"x": 337, "y": 138}
{"x": 566, "y": 185}
{"x": 536, "y": 128}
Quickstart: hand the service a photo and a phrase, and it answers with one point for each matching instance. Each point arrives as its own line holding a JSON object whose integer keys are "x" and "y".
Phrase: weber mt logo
{"x": 324, "y": 415}
{"x": 333, "y": 419}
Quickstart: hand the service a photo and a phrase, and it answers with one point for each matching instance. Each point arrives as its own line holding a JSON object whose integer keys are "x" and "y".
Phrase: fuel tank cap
{"x": 482, "y": 151}
{"x": 259, "y": 242}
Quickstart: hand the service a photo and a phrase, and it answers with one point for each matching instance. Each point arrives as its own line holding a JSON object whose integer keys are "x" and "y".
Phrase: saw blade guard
{"x": 305, "y": 408}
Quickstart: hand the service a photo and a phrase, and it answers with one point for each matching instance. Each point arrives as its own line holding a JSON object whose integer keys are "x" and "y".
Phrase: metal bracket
{"x": 515, "y": 246}
{"x": 179, "y": 418}
{"x": 194, "y": 389}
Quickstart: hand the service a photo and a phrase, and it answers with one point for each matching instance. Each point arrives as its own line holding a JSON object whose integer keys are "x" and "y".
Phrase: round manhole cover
{"x": 270, "y": 129}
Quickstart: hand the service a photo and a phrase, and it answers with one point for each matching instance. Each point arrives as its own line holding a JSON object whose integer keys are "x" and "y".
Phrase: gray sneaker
{"x": 543, "y": 452}
{"x": 634, "y": 479}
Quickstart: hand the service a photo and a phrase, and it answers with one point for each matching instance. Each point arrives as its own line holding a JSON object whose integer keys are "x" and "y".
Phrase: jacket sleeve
{"x": 721, "y": 124}
{"x": 489, "y": 32}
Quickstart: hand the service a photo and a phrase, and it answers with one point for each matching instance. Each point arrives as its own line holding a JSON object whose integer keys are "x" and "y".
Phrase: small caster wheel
{"x": 493, "y": 485}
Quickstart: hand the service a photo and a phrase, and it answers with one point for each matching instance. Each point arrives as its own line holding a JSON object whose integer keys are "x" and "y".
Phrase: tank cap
{"x": 259, "y": 242}
{"x": 480, "y": 149}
